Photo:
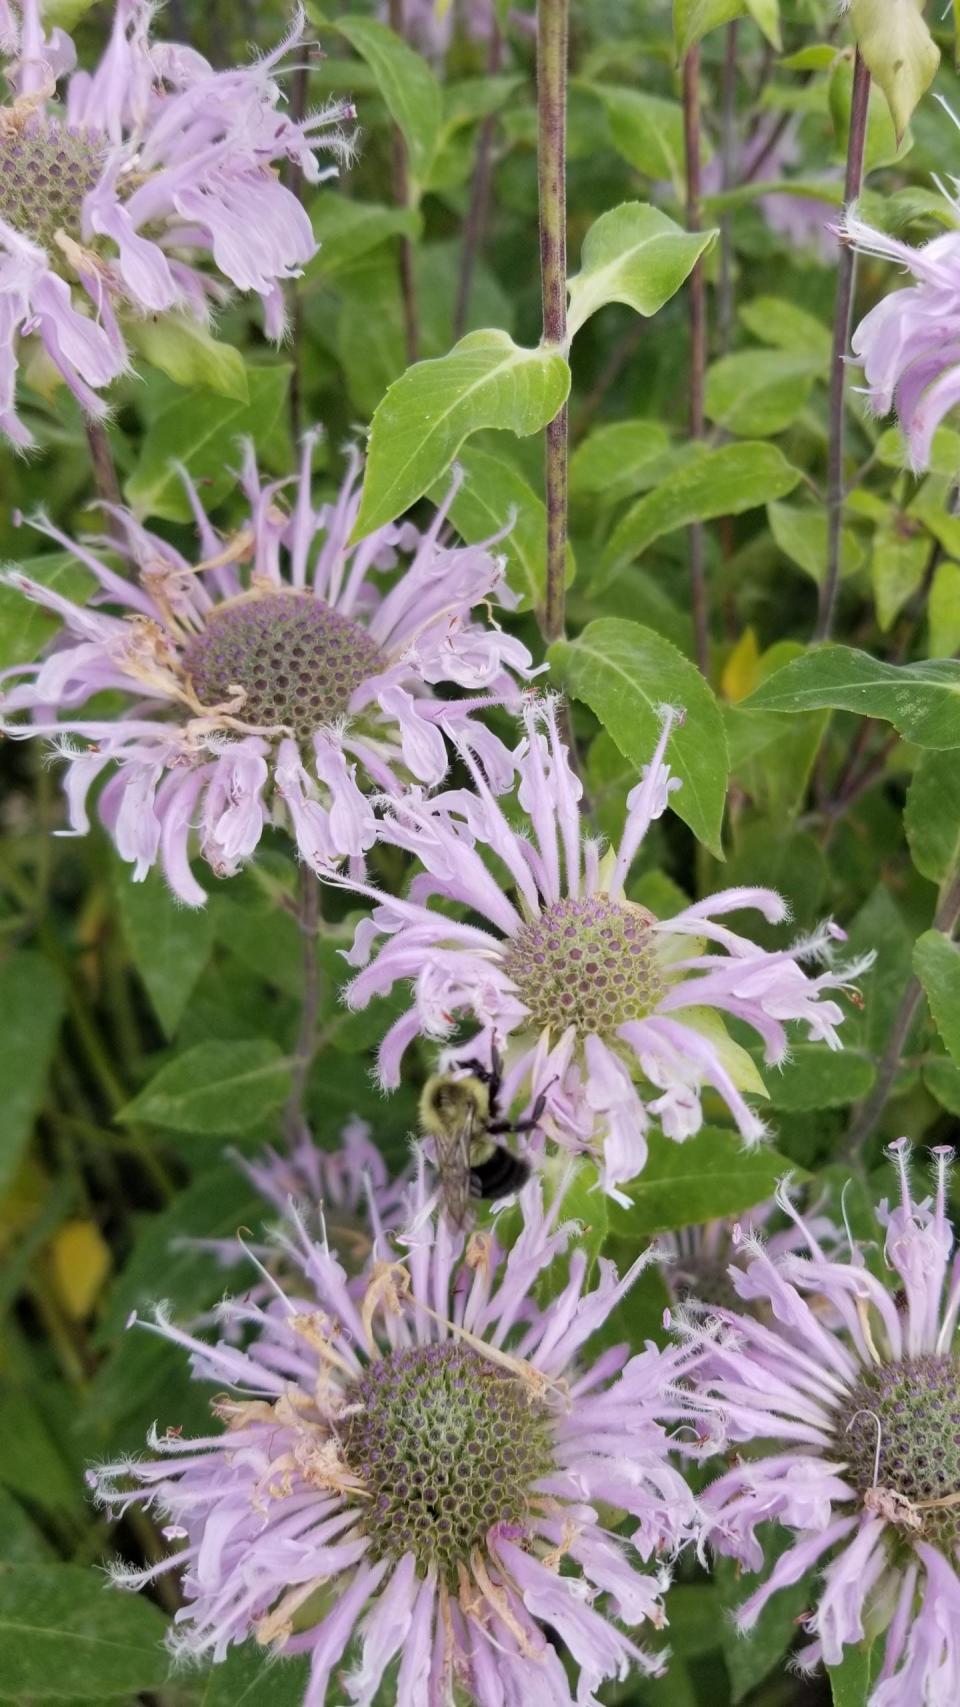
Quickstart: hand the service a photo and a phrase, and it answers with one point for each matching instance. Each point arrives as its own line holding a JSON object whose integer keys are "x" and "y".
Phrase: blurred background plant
{"x": 138, "y": 1038}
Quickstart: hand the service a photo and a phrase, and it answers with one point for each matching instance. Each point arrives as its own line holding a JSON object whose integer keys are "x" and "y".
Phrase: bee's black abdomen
{"x": 501, "y": 1174}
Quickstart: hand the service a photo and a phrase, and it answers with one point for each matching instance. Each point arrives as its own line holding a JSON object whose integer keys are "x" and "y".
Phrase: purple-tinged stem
{"x": 104, "y": 472}
{"x": 859, "y": 102}
{"x": 728, "y": 164}
{"x": 867, "y": 1117}
{"x": 401, "y": 195}
{"x": 552, "y": 19}
{"x": 478, "y": 208}
{"x": 698, "y": 347}
{"x": 305, "y": 1049}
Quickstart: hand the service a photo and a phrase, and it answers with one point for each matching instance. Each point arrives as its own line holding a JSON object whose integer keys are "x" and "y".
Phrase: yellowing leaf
{"x": 899, "y": 52}
{"x": 80, "y": 1263}
{"x": 740, "y": 672}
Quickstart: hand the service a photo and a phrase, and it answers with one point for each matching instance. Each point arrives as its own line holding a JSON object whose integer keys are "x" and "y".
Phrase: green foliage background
{"x": 138, "y": 1040}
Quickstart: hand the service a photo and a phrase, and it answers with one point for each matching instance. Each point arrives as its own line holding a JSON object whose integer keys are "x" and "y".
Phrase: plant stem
{"x": 698, "y": 346}
{"x": 859, "y": 100}
{"x": 552, "y": 20}
{"x": 104, "y": 472}
{"x": 479, "y": 204}
{"x": 867, "y": 1117}
{"x": 308, "y": 919}
{"x": 728, "y": 164}
{"x": 299, "y": 84}
{"x": 401, "y": 195}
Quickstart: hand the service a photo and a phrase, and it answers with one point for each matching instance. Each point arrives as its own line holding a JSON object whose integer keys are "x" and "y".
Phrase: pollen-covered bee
{"x": 462, "y": 1116}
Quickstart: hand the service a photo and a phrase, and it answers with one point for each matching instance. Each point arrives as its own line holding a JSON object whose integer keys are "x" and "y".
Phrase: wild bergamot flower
{"x": 262, "y": 676}
{"x": 609, "y": 1014}
{"x": 407, "y": 1483}
{"x": 847, "y": 1396}
{"x": 113, "y": 199}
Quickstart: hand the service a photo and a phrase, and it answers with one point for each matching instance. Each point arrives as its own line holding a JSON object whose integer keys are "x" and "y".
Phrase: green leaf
{"x": 801, "y": 534}
{"x": 899, "y": 51}
{"x": 693, "y": 19}
{"x": 611, "y": 461}
{"x": 63, "y": 1633}
{"x": 410, "y": 91}
{"x": 214, "y": 1087}
{"x": 816, "y": 1077}
{"x": 65, "y": 14}
{"x": 635, "y": 255}
{"x": 897, "y": 568}
{"x": 932, "y": 815}
{"x": 772, "y": 756}
{"x": 921, "y": 700}
{"x": 851, "y": 1681}
{"x": 32, "y": 1002}
{"x": 723, "y": 482}
{"x": 165, "y": 1261}
{"x": 625, "y": 673}
{"x": 751, "y": 1656}
{"x": 347, "y": 230}
{"x": 776, "y": 321}
{"x": 187, "y": 353}
{"x": 202, "y": 431}
{"x": 169, "y": 944}
{"x": 494, "y": 495}
{"x": 936, "y": 961}
{"x": 942, "y": 1080}
{"x": 646, "y": 130}
{"x": 943, "y": 611}
{"x": 708, "y": 1176}
{"x": 248, "y": 1678}
{"x": 766, "y": 16}
{"x": 21, "y": 1542}
{"x": 26, "y": 628}
{"x": 759, "y": 392}
{"x": 485, "y": 381}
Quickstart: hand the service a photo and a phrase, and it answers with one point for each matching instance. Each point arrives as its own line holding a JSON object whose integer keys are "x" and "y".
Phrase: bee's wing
{"x": 453, "y": 1167}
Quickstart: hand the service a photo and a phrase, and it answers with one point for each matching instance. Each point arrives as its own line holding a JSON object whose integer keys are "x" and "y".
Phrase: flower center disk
{"x": 297, "y": 660}
{"x": 913, "y": 1409}
{"x": 588, "y": 963}
{"x": 448, "y": 1445}
{"x": 46, "y": 170}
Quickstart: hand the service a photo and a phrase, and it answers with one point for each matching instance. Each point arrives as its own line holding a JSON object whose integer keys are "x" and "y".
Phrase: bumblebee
{"x": 462, "y": 1116}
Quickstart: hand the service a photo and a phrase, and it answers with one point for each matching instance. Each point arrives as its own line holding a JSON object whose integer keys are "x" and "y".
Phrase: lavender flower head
{"x": 404, "y": 1475}
{"x": 582, "y": 991}
{"x": 262, "y": 677}
{"x": 113, "y": 200}
{"x": 697, "y": 1259}
{"x": 849, "y": 1399}
{"x": 908, "y": 345}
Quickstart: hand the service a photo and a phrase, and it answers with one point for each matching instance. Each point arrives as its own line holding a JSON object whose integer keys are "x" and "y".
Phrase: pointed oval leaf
{"x": 636, "y": 255}
{"x": 936, "y": 961}
{"x": 932, "y": 815}
{"x": 215, "y": 1087}
{"x": 64, "y": 1634}
{"x": 646, "y": 129}
{"x": 899, "y": 51}
{"x": 921, "y": 700}
{"x": 711, "y": 1174}
{"x": 486, "y": 381}
{"x": 721, "y": 482}
{"x": 409, "y": 88}
{"x": 759, "y": 392}
{"x": 625, "y": 673}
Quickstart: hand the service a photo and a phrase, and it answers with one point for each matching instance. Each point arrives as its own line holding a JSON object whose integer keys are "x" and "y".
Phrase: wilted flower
{"x": 580, "y": 989}
{"x": 419, "y": 1474}
{"x": 114, "y": 199}
{"x": 849, "y": 1399}
{"x": 262, "y": 677}
{"x": 907, "y": 344}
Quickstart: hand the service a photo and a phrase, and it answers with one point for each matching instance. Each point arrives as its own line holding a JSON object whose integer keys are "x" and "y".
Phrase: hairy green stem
{"x": 552, "y": 21}
{"x": 401, "y": 195}
{"x": 859, "y": 102}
